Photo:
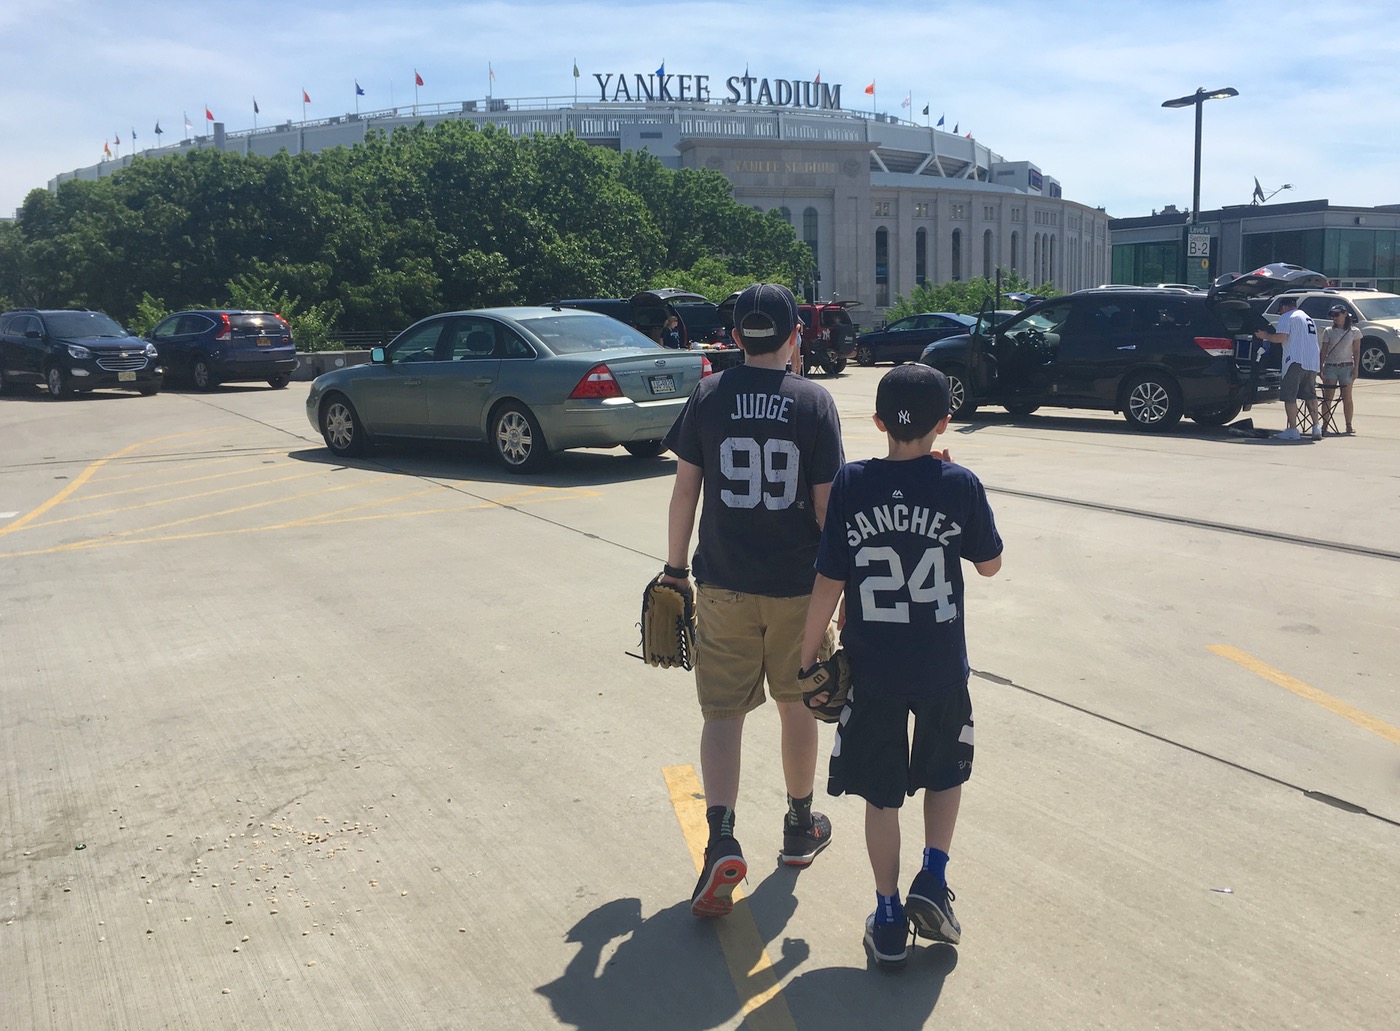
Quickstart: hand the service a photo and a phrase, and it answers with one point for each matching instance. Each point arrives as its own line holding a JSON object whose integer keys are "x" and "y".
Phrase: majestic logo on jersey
{"x": 897, "y": 494}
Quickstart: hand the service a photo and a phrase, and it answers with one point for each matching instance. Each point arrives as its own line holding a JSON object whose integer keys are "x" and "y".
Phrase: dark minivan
{"x": 207, "y": 347}
{"x": 1152, "y": 354}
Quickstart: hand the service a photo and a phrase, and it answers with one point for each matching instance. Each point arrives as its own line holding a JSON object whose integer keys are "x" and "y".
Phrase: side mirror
{"x": 376, "y": 356}
{"x": 32, "y": 334}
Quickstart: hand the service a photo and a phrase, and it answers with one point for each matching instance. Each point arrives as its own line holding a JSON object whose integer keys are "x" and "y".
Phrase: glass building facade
{"x": 1351, "y": 246}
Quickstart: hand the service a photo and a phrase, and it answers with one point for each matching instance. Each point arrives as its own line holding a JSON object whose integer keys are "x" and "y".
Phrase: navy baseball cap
{"x": 765, "y": 316}
{"x": 911, "y": 400}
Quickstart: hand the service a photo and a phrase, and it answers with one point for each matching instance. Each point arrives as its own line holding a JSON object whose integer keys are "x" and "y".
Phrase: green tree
{"x": 966, "y": 297}
{"x": 375, "y": 236}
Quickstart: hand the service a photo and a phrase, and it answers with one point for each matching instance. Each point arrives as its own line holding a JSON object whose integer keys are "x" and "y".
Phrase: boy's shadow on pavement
{"x": 669, "y": 973}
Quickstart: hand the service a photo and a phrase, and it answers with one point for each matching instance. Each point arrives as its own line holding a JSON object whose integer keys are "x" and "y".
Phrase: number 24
{"x": 927, "y": 583}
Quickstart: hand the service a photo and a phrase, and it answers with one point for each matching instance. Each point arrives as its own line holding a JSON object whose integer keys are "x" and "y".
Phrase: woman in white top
{"x": 1341, "y": 357}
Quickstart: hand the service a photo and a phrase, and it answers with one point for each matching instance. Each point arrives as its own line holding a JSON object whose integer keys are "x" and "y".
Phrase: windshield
{"x": 74, "y": 324}
{"x": 579, "y": 334}
{"x": 1375, "y": 308}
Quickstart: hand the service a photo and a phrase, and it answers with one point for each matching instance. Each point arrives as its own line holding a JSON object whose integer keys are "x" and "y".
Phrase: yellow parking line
{"x": 86, "y": 475}
{"x": 323, "y": 519}
{"x": 67, "y": 491}
{"x": 189, "y": 497}
{"x": 158, "y": 484}
{"x": 760, "y": 996}
{"x": 1364, "y": 720}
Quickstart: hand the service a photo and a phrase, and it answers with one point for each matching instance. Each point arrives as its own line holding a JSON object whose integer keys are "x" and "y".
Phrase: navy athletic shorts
{"x": 873, "y": 758}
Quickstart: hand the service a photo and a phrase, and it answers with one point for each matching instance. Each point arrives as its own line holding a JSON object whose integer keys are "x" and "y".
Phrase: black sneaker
{"x": 724, "y": 868}
{"x": 801, "y": 847}
{"x": 888, "y": 943}
{"x": 929, "y": 905}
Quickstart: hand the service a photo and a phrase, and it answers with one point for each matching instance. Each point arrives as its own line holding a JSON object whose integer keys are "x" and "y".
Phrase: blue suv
{"x": 207, "y": 347}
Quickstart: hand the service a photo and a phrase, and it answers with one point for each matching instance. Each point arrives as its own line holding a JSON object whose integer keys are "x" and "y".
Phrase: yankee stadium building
{"x": 884, "y": 204}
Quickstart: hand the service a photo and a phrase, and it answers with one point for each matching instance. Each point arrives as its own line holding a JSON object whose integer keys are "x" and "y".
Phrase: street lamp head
{"x": 1201, "y": 96}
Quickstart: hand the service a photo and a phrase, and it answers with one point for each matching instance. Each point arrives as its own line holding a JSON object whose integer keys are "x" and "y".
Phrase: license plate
{"x": 264, "y": 341}
{"x": 662, "y": 384}
{"x": 126, "y": 377}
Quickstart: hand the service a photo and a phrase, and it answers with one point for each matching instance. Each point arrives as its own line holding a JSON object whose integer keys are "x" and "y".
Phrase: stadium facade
{"x": 884, "y": 203}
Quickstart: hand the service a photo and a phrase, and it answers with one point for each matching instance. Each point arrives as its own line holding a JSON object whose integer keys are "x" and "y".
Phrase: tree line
{"x": 373, "y": 237}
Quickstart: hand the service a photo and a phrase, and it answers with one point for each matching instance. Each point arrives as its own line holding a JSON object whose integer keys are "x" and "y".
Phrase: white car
{"x": 1377, "y": 316}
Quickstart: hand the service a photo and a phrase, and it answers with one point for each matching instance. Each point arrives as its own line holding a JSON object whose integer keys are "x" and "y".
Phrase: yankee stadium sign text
{"x": 739, "y": 89}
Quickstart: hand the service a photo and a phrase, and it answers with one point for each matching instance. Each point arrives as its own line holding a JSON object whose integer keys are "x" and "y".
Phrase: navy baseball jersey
{"x": 896, "y": 534}
{"x": 763, "y": 438}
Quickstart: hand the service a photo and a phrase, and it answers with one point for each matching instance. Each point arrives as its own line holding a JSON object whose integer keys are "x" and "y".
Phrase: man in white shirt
{"x": 1298, "y": 335}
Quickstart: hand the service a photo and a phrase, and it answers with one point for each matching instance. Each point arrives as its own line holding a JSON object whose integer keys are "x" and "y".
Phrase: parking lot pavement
{"x": 285, "y": 736}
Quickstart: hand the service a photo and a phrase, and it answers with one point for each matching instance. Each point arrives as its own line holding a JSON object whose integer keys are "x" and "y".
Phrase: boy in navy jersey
{"x": 759, "y": 447}
{"x": 896, "y": 532}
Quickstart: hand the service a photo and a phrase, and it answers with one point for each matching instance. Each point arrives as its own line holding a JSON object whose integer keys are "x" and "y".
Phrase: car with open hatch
{"x": 209, "y": 346}
{"x": 527, "y": 381}
{"x": 70, "y": 351}
{"x": 1152, "y": 354}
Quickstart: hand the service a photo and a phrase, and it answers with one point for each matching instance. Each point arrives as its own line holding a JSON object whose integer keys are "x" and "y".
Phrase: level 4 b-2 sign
{"x": 1198, "y": 242}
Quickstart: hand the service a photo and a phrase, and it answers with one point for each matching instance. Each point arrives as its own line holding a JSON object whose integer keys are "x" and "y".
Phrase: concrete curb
{"x": 313, "y": 363}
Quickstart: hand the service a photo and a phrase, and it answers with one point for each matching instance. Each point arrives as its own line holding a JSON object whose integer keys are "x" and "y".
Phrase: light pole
{"x": 1198, "y": 99}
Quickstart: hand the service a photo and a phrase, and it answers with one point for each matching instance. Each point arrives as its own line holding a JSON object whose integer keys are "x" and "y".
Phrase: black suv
{"x": 210, "y": 346}
{"x": 1151, "y": 354}
{"x": 73, "y": 352}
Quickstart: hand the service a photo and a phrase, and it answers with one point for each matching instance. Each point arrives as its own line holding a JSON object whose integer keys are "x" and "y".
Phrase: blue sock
{"x": 888, "y": 909}
{"x": 937, "y": 861}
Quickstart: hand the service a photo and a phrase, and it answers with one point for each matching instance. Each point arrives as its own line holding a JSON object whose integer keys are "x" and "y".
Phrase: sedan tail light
{"x": 1220, "y": 347}
{"x": 706, "y": 369}
{"x": 598, "y": 382}
{"x": 225, "y": 330}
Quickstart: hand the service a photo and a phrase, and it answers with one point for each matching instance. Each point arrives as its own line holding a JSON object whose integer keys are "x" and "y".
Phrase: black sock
{"x": 799, "y": 814}
{"x": 721, "y": 821}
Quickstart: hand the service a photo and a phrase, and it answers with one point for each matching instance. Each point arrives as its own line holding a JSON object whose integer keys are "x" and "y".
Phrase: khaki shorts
{"x": 743, "y": 639}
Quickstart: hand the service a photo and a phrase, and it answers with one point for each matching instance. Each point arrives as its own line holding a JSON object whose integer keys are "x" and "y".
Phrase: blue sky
{"x": 1075, "y": 87}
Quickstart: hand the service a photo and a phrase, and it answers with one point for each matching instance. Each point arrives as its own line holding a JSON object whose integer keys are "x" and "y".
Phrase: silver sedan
{"x": 528, "y": 381}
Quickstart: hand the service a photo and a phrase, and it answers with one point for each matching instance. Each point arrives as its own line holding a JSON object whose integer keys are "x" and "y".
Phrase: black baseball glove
{"x": 831, "y": 678}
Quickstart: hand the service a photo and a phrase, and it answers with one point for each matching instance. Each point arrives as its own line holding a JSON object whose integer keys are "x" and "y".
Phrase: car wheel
{"x": 203, "y": 375}
{"x": 150, "y": 391}
{"x": 1022, "y": 409}
{"x": 341, "y": 426}
{"x": 960, "y": 405}
{"x": 1152, "y": 402}
{"x": 865, "y": 355}
{"x": 517, "y": 438}
{"x": 57, "y": 383}
{"x": 1374, "y": 357}
{"x": 1216, "y": 418}
{"x": 278, "y": 382}
{"x": 645, "y": 448}
{"x": 835, "y": 366}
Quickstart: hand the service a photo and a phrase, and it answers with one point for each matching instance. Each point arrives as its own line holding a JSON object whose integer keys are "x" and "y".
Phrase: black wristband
{"x": 676, "y": 572}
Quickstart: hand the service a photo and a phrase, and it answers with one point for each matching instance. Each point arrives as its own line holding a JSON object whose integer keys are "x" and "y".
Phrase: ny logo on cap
{"x": 904, "y": 417}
